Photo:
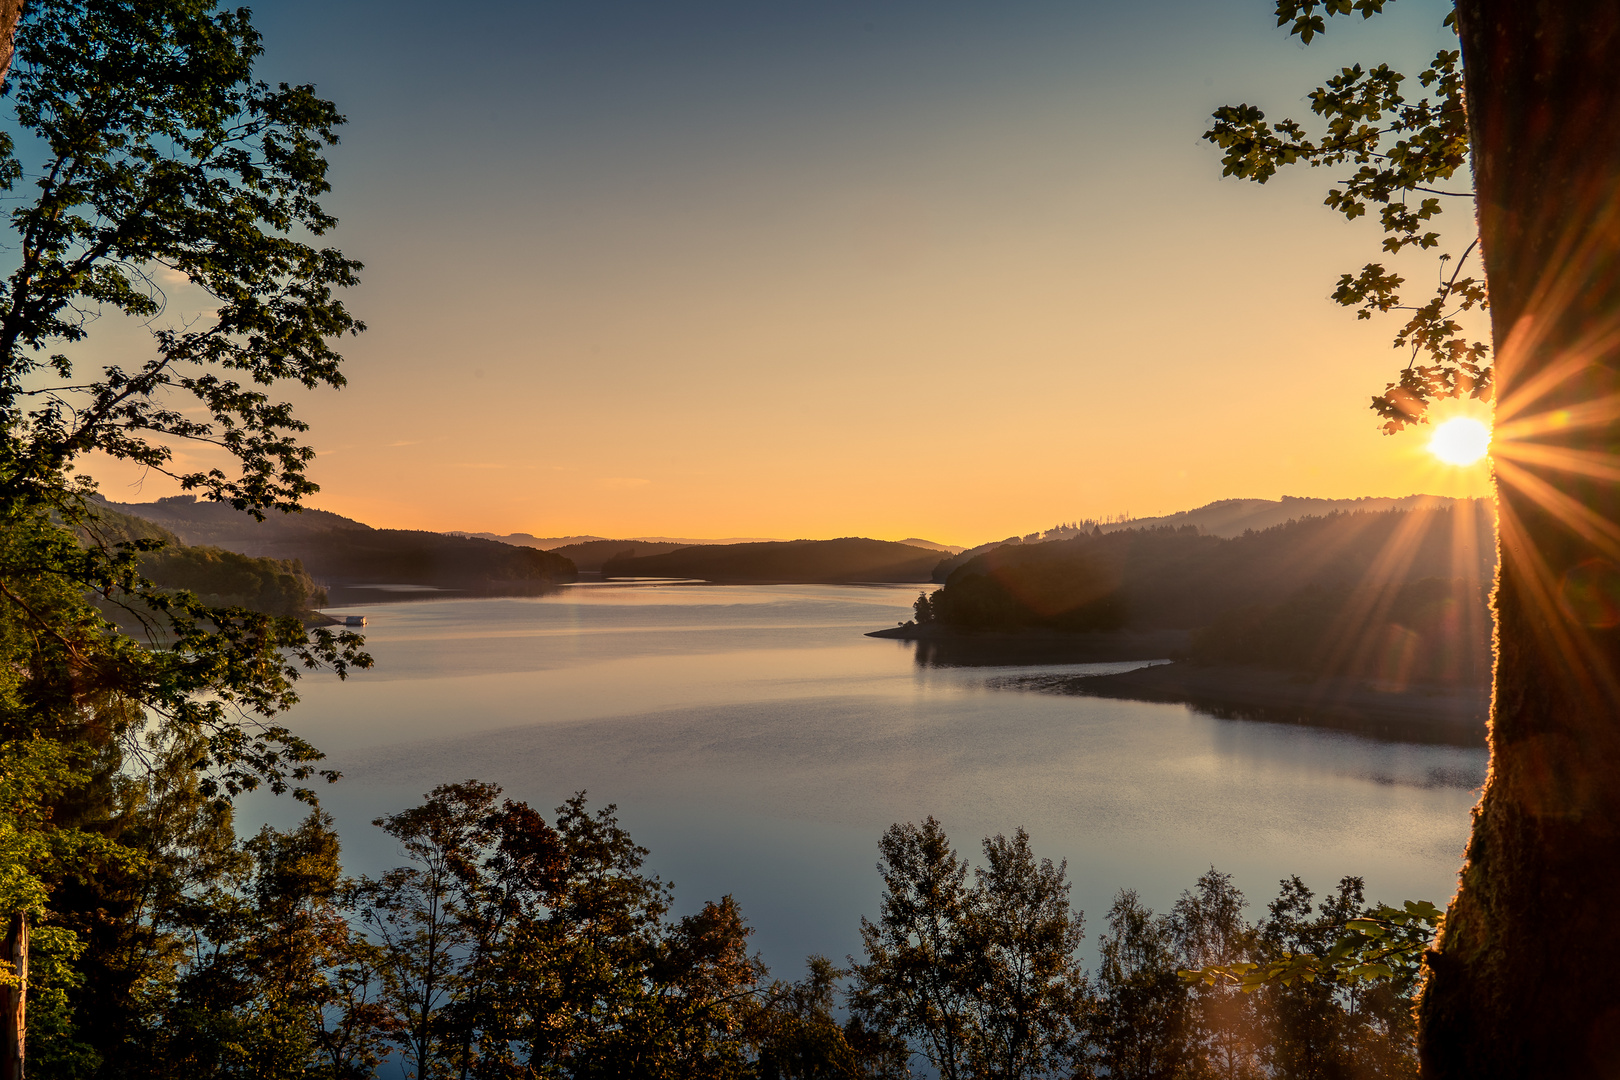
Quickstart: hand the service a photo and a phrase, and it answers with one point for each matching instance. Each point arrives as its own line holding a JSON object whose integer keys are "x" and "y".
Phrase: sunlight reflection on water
{"x": 759, "y": 744}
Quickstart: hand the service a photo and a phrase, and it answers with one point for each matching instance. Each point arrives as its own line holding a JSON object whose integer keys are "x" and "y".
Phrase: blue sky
{"x": 787, "y": 268}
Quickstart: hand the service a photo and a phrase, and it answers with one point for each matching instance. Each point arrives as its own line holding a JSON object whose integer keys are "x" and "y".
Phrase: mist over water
{"x": 759, "y": 744}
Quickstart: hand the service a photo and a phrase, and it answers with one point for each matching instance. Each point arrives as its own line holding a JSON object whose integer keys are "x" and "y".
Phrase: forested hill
{"x": 852, "y": 558}
{"x": 592, "y": 555}
{"x": 1225, "y": 517}
{"x": 1234, "y": 517}
{"x": 1315, "y": 593}
{"x": 339, "y": 551}
{"x": 1181, "y": 578}
{"x": 218, "y": 577}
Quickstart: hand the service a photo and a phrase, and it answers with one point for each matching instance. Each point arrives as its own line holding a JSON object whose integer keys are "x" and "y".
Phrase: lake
{"x": 759, "y": 744}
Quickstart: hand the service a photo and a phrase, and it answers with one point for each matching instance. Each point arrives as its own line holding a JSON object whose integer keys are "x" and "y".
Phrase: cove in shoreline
{"x": 1409, "y": 712}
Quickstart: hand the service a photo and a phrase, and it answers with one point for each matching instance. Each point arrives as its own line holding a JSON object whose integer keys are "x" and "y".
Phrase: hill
{"x": 1227, "y": 517}
{"x": 591, "y": 555}
{"x": 555, "y": 543}
{"x": 1348, "y": 593}
{"x": 1234, "y": 517}
{"x": 950, "y": 549}
{"x": 218, "y": 577}
{"x": 340, "y": 552}
{"x": 544, "y": 543}
{"x": 848, "y": 559}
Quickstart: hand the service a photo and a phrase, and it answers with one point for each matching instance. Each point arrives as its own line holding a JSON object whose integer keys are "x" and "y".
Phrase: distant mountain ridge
{"x": 1234, "y": 517}
{"x": 593, "y": 554}
{"x": 552, "y": 543}
{"x": 341, "y": 552}
{"x": 216, "y": 576}
{"x": 1226, "y": 518}
{"x": 952, "y": 549}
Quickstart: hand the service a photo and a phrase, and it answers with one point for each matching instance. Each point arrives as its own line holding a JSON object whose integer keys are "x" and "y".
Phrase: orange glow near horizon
{"x": 953, "y": 274}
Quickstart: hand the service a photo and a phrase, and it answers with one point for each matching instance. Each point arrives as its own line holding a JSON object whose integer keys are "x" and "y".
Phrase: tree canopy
{"x": 1401, "y": 149}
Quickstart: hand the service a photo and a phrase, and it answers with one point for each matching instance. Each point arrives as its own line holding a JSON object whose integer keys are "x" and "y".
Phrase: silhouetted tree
{"x": 149, "y": 146}
{"x": 1029, "y": 992}
{"x": 1307, "y": 1029}
{"x": 915, "y": 982}
{"x": 799, "y": 1037}
{"x": 981, "y": 981}
{"x": 1140, "y": 1030}
{"x": 444, "y": 923}
{"x": 1209, "y": 928}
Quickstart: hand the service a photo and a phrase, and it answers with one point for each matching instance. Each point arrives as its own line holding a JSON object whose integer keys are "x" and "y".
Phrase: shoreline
{"x": 1417, "y": 712}
{"x": 1407, "y": 713}
{"x": 939, "y": 646}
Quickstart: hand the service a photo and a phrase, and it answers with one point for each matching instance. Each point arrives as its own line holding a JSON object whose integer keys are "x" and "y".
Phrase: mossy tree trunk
{"x": 1525, "y": 981}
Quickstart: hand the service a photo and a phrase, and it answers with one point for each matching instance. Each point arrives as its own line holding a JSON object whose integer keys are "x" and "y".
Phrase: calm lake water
{"x": 759, "y": 745}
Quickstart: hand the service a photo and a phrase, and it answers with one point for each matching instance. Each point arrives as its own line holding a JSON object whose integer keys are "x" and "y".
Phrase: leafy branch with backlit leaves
{"x": 153, "y": 149}
{"x": 1404, "y": 154}
{"x": 1384, "y": 943}
{"x": 144, "y": 148}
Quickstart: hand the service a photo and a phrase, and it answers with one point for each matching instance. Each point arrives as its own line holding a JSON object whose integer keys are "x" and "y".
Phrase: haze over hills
{"x": 552, "y": 543}
{"x": 1225, "y": 518}
{"x": 952, "y": 549}
{"x": 340, "y": 552}
{"x": 591, "y": 555}
{"x": 1234, "y": 517}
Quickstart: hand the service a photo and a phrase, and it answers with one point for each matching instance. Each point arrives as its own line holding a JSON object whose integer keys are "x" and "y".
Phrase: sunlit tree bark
{"x": 10, "y": 12}
{"x": 1522, "y": 980}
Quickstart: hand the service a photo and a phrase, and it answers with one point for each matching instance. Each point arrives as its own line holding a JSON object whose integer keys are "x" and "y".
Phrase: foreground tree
{"x": 1519, "y": 982}
{"x": 1140, "y": 1030}
{"x": 144, "y": 155}
{"x": 980, "y": 980}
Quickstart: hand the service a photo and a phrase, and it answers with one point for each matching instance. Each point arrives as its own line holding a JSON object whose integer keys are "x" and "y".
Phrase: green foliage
{"x": 1398, "y": 146}
{"x": 220, "y": 578}
{"x": 1383, "y": 943}
{"x": 982, "y": 979}
{"x": 1332, "y": 987}
{"x": 1303, "y": 22}
{"x": 149, "y": 144}
{"x": 143, "y": 148}
{"x": 221, "y": 677}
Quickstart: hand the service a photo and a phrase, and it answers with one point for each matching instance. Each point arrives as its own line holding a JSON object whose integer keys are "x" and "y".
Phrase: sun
{"x": 1460, "y": 441}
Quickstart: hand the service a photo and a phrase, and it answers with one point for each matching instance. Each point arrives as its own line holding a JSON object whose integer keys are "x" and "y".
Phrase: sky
{"x": 891, "y": 268}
